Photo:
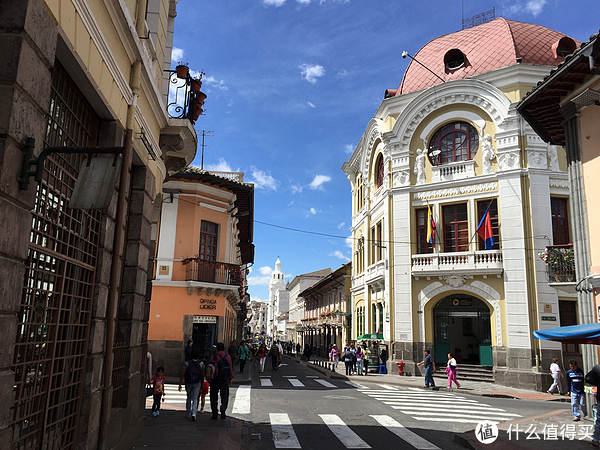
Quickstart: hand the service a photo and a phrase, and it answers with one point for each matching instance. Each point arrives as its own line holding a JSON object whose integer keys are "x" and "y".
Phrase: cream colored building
{"x": 450, "y": 141}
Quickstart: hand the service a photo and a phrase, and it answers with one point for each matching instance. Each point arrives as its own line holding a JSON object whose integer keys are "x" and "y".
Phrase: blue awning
{"x": 575, "y": 334}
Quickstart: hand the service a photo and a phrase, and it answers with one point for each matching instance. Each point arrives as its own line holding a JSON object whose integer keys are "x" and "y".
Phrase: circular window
{"x": 456, "y": 141}
{"x": 454, "y": 59}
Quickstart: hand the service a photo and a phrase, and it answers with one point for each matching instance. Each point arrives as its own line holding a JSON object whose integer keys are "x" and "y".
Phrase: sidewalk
{"x": 554, "y": 430}
{"x": 172, "y": 431}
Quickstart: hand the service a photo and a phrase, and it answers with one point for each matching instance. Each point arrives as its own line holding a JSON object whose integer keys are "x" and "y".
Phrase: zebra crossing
{"x": 265, "y": 381}
{"x": 284, "y": 435}
{"x": 437, "y": 406}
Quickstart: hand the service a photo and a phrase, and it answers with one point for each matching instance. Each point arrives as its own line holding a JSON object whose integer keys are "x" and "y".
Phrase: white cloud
{"x": 303, "y": 2}
{"x": 349, "y": 242}
{"x": 262, "y": 280}
{"x": 296, "y": 189}
{"x": 533, "y": 7}
{"x": 311, "y": 105}
{"x": 349, "y": 148}
{"x": 212, "y": 81}
{"x": 311, "y": 72}
{"x": 318, "y": 181}
{"x": 311, "y": 212}
{"x": 262, "y": 180}
{"x": 221, "y": 166}
{"x": 341, "y": 225}
{"x": 275, "y": 3}
{"x": 176, "y": 54}
{"x": 340, "y": 255}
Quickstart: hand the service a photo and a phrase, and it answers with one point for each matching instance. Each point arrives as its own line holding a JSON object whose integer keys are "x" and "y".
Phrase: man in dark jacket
{"x": 575, "y": 388}
{"x": 429, "y": 369}
{"x": 221, "y": 381}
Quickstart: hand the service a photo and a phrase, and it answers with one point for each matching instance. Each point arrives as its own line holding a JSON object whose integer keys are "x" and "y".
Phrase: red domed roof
{"x": 485, "y": 47}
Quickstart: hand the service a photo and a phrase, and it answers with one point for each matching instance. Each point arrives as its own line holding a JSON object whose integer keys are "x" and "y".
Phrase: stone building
{"x": 80, "y": 81}
{"x": 447, "y": 154}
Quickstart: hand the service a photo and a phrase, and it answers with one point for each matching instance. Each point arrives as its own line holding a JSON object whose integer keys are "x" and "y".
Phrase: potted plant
{"x": 182, "y": 70}
{"x": 195, "y": 85}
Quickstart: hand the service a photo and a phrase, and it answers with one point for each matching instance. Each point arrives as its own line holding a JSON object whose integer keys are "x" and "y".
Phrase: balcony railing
{"x": 481, "y": 262}
{"x": 453, "y": 171}
{"x": 560, "y": 261}
{"x": 213, "y": 272}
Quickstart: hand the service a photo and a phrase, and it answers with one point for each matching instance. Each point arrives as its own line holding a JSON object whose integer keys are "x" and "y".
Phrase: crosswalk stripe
{"x": 421, "y": 398}
{"x": 356, "y": 385}
{"x": 388, "y": 387}
{"x": 418, "y": 414}
{"x": 295, "y": 382}
{"x": 436, "y": 407}
{"x": 408, "y": 436}
{"x": 283, "y": 432}
{"x": 325, "y": 383}
{"x": 266, "y": 382}
{"x": 241, "y": 404}
{"x": 343, "y": 432}
{"x": 452, "y": 420}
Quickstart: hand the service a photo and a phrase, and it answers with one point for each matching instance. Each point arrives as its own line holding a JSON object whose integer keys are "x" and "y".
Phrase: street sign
{"x": 549, "y": 318}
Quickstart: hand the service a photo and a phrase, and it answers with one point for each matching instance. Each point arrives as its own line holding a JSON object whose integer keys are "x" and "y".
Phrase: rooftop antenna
{"x": 204, "y": 134}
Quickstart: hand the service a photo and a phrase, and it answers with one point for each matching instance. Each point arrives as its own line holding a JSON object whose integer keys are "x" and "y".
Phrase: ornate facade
{"x": 442, "y": 153}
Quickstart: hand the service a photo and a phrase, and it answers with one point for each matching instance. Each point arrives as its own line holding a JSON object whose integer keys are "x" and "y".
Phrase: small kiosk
{"x": 373, "y": 343}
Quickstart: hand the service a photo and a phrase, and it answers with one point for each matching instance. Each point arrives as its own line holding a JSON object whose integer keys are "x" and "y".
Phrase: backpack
{"x": 223, "y": 368}
{"x": 193, "y": 372}
{"x": 211, "y": 371}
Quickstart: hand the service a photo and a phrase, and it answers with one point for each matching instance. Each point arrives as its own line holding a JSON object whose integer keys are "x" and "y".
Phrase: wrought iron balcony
{"x": 184, "y": 97}
{"x": 212, "y": 272}
{"x": 560, "y": 260}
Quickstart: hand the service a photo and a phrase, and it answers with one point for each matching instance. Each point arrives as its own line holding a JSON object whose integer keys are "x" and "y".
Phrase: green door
{"x": 485, "y": 339}
{"x": 441, "y": 336}
{"x": 485, "y": 355}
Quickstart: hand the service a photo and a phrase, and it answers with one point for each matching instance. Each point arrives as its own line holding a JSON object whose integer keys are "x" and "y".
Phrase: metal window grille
{"x": 119, "y": 371}
{"x": 56, "y": 304}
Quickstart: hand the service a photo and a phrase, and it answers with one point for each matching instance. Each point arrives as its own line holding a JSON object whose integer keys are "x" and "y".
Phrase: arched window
{"x": 456, "y": 141}
{"x": 379, "y": 170}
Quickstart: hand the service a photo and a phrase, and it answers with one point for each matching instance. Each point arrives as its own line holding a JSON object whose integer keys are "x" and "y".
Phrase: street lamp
{"x": 434, "y": 156}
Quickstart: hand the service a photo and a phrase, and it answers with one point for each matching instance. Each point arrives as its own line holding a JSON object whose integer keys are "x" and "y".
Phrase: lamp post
{"x": 434, "y": 156}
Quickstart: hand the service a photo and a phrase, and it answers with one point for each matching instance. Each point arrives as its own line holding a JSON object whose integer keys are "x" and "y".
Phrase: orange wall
{"x": 170, "y": 304}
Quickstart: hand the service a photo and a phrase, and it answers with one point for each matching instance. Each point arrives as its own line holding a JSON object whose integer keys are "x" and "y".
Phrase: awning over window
{"x": 575, "y": 334}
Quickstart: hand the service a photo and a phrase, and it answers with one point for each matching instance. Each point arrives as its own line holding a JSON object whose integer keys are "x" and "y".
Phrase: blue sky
{"x": 291, "y": 87}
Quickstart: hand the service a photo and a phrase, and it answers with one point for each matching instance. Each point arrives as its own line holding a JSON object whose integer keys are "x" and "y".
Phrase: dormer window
{"x": 454, "y": 59}
{"x": 456, "y": 141}
{"x": 563, "y": 47}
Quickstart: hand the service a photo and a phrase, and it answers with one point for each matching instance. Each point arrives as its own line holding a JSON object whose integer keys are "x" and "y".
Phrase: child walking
{"x": 202, "y": 395}
{"x": 158, "y": 385}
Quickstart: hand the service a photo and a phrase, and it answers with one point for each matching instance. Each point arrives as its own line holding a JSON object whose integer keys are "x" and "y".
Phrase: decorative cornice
{"x": 563, "y": 184}
{"x": 460, "y": 190}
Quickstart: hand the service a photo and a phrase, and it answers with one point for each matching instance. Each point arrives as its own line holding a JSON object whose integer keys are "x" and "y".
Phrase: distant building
{"x": 446, "y": 153}
{"x": 276, "y": 285}
{"x": 204, "y": 249}
{"x": 258, "y": 321}
{"x": 326, "y": 304}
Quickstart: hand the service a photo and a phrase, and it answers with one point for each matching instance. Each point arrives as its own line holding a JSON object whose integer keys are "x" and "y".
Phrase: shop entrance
{"x": 203, "y": 334}
{"x": 461, "y": 325}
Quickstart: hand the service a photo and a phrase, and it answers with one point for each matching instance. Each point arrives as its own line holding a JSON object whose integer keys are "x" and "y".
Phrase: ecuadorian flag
{"x": 430, "y": 226}
{"x": 484, "y": 230}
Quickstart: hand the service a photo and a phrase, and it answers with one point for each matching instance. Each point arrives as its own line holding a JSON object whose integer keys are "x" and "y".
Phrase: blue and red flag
{"x": 430, "y": 226}
{"x": 484, "y": 230}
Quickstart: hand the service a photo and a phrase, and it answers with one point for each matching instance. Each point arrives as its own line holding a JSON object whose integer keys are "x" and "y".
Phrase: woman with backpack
{"x": 221, "y": 369}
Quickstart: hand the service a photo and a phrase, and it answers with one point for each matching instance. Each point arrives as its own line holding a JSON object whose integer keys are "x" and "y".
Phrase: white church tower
{"x": 277, "y": 284}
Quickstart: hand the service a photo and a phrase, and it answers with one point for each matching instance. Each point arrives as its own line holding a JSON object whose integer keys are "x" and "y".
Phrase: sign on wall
{"x": 205, "y": 319}
{"x": 208, "y": 303}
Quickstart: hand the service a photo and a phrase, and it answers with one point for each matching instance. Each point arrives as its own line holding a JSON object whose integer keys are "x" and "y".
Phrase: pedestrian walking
{"x": 232, "y": 351}
{"x": 298, "y": 349}
{"x": 202, "y": 395}
{"x": 221, "y": 381}
{"x": 360, "y": 359}
{"x": 280, "y": 352}
{"x": 348, "y": 358}
{"x": 334, "y": 356}
{"x": 575, "y": 388}
{"x": 556, "y": 375}
{"x": 451, "y": 371}
{"x": 242, "y": 355}
{"x": 193, "y": 374}
{"x": 429, "y": 365}
{"x": 262, "y": 356}
{"x": 593, "y": 378}
{"x": 158, "y": 389}
{"x": 274, "y": 354}
{"x": 353, "y": 364}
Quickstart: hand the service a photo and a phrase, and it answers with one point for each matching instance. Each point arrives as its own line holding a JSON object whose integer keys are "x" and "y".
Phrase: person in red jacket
{"x": 221, "y": 381}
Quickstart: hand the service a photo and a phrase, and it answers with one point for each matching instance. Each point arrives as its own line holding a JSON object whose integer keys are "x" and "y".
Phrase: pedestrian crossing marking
{"x": 408, "y": 436}
{"x": 295, "y": 382}
{"x": 388, "y": 387}
{"x": 436, "y": 407}
{"x": 474, "y": 414}
{"x": 312, "y": 376}
{"x": 356, "y": 385}
{"x": 241, "y": 404}
{"x": 343, "y": 432}
{"x": 325, "y": 383}
{"x": 454, "y": 420}
{"x": 283, "y": 432}
{"x": 266, "y": 382}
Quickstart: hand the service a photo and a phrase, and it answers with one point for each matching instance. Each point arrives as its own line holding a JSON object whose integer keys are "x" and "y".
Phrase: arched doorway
{"x": 461, "y": 325}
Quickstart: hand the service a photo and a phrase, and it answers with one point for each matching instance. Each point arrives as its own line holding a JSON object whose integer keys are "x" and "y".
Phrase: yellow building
{"x": 85, "y": 83}
{"x": 443, "y": 151}
{"x": 204, "y": 252}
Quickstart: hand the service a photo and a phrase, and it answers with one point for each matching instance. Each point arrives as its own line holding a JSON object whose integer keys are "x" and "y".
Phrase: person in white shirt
{"x": 556, "y": 374}
{"x": 451, "y": 371}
